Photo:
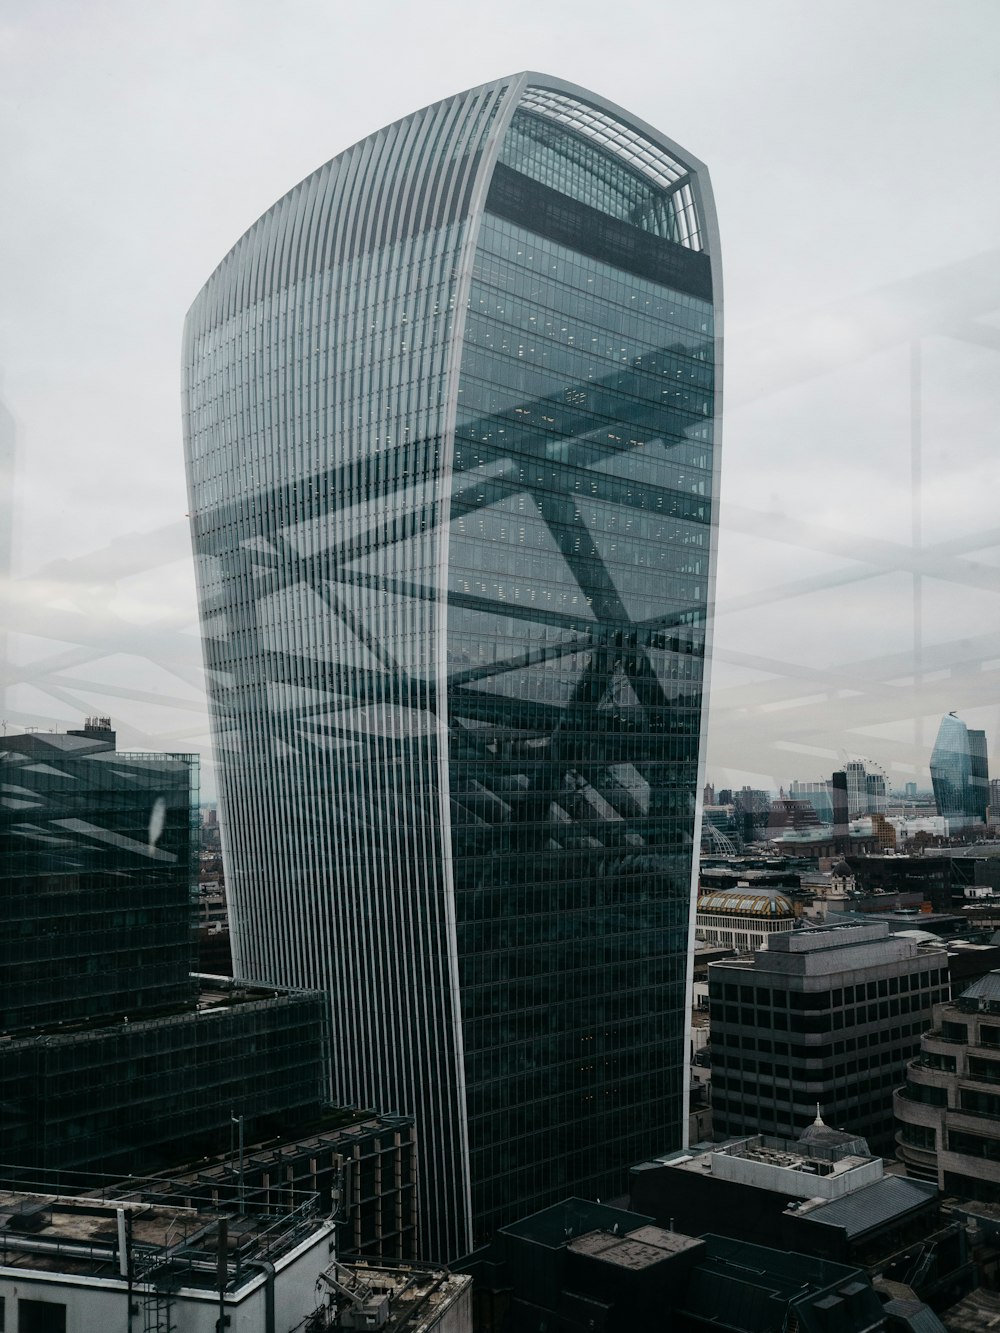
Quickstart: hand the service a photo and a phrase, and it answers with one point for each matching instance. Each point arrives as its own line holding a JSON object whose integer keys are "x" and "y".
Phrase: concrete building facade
{"x": 948, "y": 1108}
{"x": 826, "y": 1016}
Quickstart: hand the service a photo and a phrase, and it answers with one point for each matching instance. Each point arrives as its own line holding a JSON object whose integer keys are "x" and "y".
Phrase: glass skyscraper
{"x": 960, "y": 771}
{"x": 449, "y": 412}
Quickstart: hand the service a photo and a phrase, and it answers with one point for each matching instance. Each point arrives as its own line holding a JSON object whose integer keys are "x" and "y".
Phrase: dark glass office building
{"x": 98, "y": 856}
{"x": 113, "y": 1057}
{"x": 449, "y": 411}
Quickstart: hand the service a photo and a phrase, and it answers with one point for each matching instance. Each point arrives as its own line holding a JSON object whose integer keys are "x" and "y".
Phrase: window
{"x": 971, "y": 1145}
{"x": 919, "y": 1136}
{"x": 922, "y": 1092}
{"x": 41, "y": 1317}
{"x": 980, "y": 1103}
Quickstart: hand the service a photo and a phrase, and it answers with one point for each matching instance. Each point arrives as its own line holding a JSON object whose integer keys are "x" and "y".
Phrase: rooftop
{"x": 418, "y": 1296}
{"x": 642, "y": 1248}
{"x": 983, "y": 993}
{"x": 786, "y": 1166}
{"x": 887, "y": 1200}
{"x": 742, "y": 1286}
{"x": 82, "y": 1237}
{"x": 744, "y": 900}
{"x": 978, "y": 1311}
{"x": 213, "y": 994}
{"x": 553, "y": 1227}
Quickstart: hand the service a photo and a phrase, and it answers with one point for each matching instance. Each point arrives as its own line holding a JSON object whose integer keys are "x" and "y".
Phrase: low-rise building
{"x": 580, "y": 1266}
{"x": 948, "y": 1109}
{"x": 142, "y": 1259}
{"x": 397, "y": 1298}
{"x": 360, "y": 1166}
{"x": 73, "y": 1265}
{"x": 742, "y": 918}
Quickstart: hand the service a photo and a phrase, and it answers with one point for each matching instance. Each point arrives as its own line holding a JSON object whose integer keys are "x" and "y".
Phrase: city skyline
{"x": 450, "y": 428}
{"x": 822, "y": 547}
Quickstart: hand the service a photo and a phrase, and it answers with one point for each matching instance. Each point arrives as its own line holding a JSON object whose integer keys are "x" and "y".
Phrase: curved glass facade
{"x": 959, "y": 772}
{"x": 449, "y": 415}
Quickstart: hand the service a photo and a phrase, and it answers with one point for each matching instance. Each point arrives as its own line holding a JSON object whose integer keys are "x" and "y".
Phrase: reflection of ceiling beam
{"x": 870, "y": 556}
{"x": 830, "y": 714}
{"x": 942, "y": 302}
{"x": 983, "y": 335}
{"x": 962, "y": 657}
{"x": 123, "y": 557}
{"x": 162, "y": 642}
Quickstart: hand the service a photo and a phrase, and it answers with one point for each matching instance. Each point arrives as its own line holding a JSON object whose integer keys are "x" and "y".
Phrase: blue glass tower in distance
{"x": 960, "y": 772}
{"x": 450, "y": 412}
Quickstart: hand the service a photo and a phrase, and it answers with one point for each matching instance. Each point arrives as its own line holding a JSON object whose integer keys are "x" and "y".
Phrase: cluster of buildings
{"x": 854, "y": 809}
{"x": 449, "y": 420}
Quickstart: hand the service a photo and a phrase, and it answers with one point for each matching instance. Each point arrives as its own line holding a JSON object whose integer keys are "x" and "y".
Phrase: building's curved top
{"x": 745, "y": 901}
{"x": 463, "y": 135}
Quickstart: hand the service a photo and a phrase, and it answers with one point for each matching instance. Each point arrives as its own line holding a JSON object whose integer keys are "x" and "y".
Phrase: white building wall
{"x": 745, "y": 934}
{"x": 790, "y": 1180}
{"x": 95, "y": 1305}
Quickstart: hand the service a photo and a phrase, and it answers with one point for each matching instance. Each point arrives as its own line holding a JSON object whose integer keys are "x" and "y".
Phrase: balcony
{"x": 935, "y": 1034}
{"x": 911, "y": 1112}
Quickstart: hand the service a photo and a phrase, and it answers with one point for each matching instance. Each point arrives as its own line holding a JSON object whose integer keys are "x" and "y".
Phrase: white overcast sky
{"x": 853, "y": 151}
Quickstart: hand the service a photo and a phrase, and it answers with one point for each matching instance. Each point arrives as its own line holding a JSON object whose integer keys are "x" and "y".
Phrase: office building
{"x": 825, "y": 1015}
{"x": 948, "y": 1108}
{"x": 580, "y": 1266}
{"x": 823, "y": 1195}
{"x": 139, "y": 1095}
{"x": 979, "y": 774}
{"x": 99, "y": 853}
{"x": 114, "y": 1057}
{"x": 865, "y": 785}
{"x": 857, "y": 789}
{"x": 960, "y": 773}
{"x": 449, "y": 412}
{"x": 818, "y": 794}
{"x": 840, "y": 803}
{"x": 877, "y": 793}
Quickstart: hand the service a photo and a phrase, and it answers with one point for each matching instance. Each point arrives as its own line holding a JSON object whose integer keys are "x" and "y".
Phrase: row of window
{"x": 863, "y": 1040}
{"x": 654, "y": 318}
{"x": 728, "y": 1086}
{"x": 839, "y": 1019}
{"x": 837, "y": 996}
